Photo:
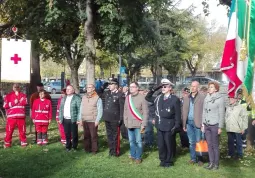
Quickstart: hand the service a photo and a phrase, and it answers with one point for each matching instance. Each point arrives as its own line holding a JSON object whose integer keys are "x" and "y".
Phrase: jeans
{"x": 231, "y": 147}
{"x": 149, "y": 134}
{"x": 135, "y": 141}
{"x": 194, "y": 135}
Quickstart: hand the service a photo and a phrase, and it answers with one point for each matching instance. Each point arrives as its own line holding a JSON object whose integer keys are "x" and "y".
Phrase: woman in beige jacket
{"x": 236, "y": 120}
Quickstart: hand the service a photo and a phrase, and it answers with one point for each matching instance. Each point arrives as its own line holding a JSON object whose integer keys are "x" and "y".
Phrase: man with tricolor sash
{"x": 167, "y": 121}
{"x": 135, "y": 119}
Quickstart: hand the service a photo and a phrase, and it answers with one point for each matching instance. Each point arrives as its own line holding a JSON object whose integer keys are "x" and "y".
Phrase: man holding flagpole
{"x": 239, "y": 52}
{"x": 135, "y": 119}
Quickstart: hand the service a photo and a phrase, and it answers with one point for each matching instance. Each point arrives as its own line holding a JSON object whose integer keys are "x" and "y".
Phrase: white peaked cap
{"x": 165, "y": 81}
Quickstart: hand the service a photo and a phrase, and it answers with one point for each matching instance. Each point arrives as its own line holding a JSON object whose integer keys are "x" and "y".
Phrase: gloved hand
{"x": 157, "y": 88}
{"x": 120, "y": 122}
{"x": 173, "y": 130}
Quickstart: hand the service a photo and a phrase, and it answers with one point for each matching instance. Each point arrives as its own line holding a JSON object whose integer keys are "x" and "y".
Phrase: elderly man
{"x": 91, "y": 113}
{"x": 168, "y": 120}
{"x": 192, "y": 111}
{"x": 68, "y": 115}
{"x": 113, "y": 116}
{"x": 15, "y": 103}
{"x": 135, "y": 119}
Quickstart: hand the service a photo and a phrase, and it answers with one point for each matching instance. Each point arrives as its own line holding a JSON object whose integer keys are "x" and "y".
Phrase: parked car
{"x": 53, "y": 87}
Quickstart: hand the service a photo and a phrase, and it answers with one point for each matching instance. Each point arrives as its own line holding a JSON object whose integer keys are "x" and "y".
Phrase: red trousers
{"x": 10, "y": 126}
{"x": 41, "y": 128}
{"x": 62, "y": 133}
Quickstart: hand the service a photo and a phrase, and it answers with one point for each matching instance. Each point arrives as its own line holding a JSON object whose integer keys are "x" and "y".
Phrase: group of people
{"x": 196, "y": 115}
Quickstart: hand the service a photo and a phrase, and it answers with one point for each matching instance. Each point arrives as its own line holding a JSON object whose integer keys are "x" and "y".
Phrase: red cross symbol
{"x": 15, "y": 58}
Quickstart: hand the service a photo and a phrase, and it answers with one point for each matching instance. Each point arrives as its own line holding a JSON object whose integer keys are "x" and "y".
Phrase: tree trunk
{"x": 192, "y": 69}
{"x": 101, "y": 71}
{"x": 158, "y": 74}
{"x": 75, "y": 79}
{"x": 35, "y": 74}
{"x": 153, "y": 73}
{"x": 90, "y": 46}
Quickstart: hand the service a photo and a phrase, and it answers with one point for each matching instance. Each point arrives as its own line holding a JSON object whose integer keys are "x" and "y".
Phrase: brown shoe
{"x": 132, "y": 159}
{"x": 191, "y": 162}
{"x": 138, "y": 161}
{"x": 200, "y": 163}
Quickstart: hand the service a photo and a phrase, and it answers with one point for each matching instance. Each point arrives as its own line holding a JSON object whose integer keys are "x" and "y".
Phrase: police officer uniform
{"x": 168, "y": 120}
{"x": 113, "y": 117}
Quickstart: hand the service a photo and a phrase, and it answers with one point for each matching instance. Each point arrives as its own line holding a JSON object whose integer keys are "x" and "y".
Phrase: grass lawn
{"x": 53, "y": 161}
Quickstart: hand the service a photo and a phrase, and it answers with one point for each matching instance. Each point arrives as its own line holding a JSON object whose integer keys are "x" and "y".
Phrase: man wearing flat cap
{"x": 35, "y": 96}
{"x": 113, "y": 116}
{"x": 167, "y": 121}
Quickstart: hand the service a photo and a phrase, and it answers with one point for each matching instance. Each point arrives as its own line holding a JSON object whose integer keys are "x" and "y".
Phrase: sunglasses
{"x": 165, "y": 86}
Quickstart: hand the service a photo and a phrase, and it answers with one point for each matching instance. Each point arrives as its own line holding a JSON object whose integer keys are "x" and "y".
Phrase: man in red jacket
{"x": 42, "y": 115}
{"x": 14, "y": 104}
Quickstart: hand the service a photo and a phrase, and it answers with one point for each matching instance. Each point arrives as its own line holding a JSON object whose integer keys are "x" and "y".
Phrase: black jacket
{"x": 168, "y": 113}
{"x": 114, "y": 106}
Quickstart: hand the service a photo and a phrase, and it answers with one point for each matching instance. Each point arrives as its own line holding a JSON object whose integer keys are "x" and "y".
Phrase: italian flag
{"x": 249, "y": 88}
{"x": 231, "y": 65}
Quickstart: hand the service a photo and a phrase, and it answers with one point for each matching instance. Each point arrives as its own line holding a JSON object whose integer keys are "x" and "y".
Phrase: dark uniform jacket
{"x": 113, "y": 107}
{"x": 168, "y": 113}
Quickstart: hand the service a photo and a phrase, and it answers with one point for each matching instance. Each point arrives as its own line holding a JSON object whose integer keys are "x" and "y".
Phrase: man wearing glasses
{"x": 90, "y": 115}
{"x": 167, "y": 121}
{"x": 113, "y": 116}
{"x": 135, "y": 119}
{"x": 15, "y": 103}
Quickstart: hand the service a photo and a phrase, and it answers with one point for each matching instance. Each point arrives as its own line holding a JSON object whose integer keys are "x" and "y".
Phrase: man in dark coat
{"x": 167, "y": 121}
{"x": 113, "y": 116}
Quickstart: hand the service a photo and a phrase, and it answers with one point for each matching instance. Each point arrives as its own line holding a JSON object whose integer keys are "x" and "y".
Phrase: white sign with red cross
{"x": 15, "y": 61}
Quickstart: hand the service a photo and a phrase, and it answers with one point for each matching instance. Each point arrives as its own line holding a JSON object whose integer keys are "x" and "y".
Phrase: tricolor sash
{"x": 137, "y": 115}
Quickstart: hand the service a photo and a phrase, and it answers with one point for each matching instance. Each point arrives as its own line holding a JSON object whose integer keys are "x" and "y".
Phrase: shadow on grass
{"x": 31, "y": 161}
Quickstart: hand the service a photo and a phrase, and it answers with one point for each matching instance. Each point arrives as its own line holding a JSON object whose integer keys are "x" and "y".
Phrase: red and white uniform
{"x": 60, "y": 126}
{"x": 16, "y": 116}
{"x": 42, "y": 114}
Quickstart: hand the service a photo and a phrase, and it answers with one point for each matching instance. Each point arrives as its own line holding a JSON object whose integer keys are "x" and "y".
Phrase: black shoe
{"x": 215, "y": 167}
{"x": 162, "y": 164}
{"x": 167, "y": 165}
{"x": 209, "y": 167}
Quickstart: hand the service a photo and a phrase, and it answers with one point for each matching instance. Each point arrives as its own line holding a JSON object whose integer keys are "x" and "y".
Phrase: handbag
{"x": 202, "y": 147}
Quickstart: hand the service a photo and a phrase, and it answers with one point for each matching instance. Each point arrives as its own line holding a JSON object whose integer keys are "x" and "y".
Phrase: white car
{"x": 53, "y": 87}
